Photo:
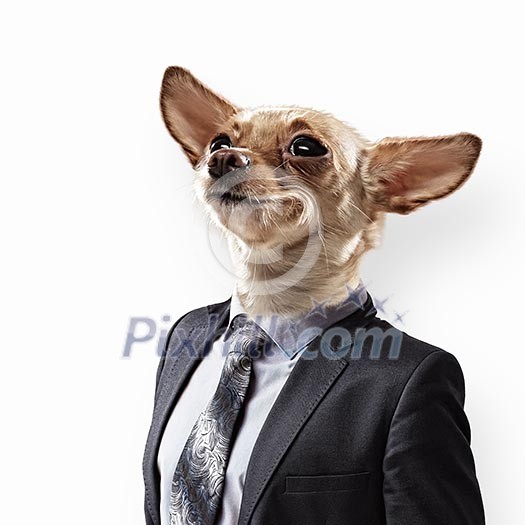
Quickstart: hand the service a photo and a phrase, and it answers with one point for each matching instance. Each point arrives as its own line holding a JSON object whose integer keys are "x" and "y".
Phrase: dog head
{"x": 269, "y": 175}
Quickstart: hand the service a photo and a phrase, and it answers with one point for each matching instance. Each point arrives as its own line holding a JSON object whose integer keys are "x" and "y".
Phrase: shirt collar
{"x": 292, "y": 335}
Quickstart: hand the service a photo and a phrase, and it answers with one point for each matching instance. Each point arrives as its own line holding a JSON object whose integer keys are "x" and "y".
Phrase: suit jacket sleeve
{"x": 429, "y": 472}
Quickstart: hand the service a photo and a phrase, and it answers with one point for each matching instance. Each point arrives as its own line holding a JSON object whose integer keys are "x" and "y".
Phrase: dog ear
{"x": 192, "y": 112}
{"x": 404, "y": 174}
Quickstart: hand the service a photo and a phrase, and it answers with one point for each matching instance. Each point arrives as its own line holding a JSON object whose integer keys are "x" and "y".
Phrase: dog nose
{"x": 225, "y": 160}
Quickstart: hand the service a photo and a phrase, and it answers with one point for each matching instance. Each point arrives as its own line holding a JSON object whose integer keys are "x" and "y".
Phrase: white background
{"x": 98, "y": 220}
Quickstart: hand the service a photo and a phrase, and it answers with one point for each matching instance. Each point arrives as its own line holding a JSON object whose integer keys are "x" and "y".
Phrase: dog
{"x": 325, "y": 436}
{"x": 273, "y": 179}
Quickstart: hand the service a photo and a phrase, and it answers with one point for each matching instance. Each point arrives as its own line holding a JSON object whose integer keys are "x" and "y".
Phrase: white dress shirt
{"x": 269, "y": 373}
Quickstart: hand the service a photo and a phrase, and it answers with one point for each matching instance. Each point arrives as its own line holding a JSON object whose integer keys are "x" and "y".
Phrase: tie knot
{"x": 246, "y": 336}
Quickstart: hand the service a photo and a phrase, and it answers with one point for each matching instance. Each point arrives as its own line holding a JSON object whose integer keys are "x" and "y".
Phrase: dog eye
{"x": 222, "y": 141}
{"x": 307, "y": 147}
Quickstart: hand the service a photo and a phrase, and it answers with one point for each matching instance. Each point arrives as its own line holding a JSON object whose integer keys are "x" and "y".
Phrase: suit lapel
{"x": 186, "y": 344}
{"x": 308, "y": 383}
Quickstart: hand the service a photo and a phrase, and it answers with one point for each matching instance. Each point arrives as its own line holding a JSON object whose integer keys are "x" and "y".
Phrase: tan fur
{"x": 317, "y": 216}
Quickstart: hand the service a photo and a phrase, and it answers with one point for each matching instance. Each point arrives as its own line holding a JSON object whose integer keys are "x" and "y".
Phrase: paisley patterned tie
{"x": 198, "y": 480}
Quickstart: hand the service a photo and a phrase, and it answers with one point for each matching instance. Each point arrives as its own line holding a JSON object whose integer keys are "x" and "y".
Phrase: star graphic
{"x": 380, "y": 305}
{"x": 399, "y": 317}
{"x": 353, "y": 296}
{"x": 319, "y": 309}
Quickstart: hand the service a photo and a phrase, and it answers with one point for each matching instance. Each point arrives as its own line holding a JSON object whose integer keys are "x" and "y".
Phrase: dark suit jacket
{"x": 351, "y": 439}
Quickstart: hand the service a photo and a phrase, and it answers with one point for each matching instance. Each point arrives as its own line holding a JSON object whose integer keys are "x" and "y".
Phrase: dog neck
{"x": 290, "y": 279}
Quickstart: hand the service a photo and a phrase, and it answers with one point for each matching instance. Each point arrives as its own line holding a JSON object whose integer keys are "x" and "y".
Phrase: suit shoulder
{"x": 392, "y": 360}
{"x": 203, "y": 318}
{"x": 380, "y": 339}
